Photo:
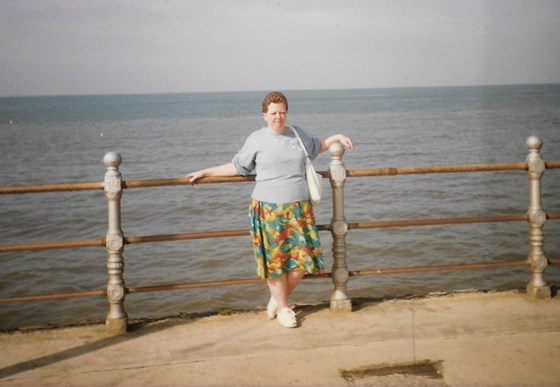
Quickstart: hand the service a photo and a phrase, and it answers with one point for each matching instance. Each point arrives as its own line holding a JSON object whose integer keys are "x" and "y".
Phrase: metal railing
{"x": 115, "y": 240}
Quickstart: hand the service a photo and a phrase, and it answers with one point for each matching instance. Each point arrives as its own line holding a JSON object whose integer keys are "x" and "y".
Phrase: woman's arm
{"x": 220, "y": 170}
{"x": 344, "y": 140}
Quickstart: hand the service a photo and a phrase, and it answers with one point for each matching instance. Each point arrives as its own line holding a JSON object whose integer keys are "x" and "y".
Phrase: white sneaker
{"x": 287, "y": 318}
{"x": 272, "y": 308}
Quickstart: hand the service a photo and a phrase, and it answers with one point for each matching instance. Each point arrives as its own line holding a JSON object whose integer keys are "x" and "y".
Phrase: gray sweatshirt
{"x": 279, "y": 164}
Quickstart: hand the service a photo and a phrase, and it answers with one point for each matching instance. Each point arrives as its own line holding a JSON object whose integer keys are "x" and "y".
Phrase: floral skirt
{"x": 285, "y": 238}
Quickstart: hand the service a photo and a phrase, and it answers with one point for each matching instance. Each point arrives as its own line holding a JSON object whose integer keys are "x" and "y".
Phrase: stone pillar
{"x": 537, "y": 287}
{"x": 117, "y": 319}
{"x": 339, "y": 228}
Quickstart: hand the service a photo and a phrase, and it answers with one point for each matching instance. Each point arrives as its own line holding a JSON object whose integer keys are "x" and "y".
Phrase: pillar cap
{"x": 336, "y": 149}
{"x": 534, "y": 142}
{"x": 112, "y": 159}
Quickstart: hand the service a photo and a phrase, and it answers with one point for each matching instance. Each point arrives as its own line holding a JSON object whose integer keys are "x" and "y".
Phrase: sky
{"x": 68, "y": 47}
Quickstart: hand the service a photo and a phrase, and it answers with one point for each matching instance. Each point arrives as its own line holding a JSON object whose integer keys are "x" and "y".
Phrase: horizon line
{"x": 116, "y": 94}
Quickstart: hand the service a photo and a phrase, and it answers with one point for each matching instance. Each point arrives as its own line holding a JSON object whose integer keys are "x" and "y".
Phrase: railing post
{"x": 537, "y": 287}
{"x": 117, "y": 319}
{"x": 339, "y": 298}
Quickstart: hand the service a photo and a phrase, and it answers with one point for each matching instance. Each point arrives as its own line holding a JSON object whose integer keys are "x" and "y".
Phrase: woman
{"x": 285, "y": 238}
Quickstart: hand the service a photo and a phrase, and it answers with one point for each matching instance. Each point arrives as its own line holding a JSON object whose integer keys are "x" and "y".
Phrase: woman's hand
{"x": 193, "y": 176}
{"x": 344, "y": 140}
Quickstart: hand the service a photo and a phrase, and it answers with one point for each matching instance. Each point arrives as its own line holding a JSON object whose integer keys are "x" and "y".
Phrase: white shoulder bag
{"x": 314, "y": 180}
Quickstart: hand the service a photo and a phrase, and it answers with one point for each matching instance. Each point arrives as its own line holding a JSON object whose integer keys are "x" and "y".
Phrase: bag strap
{"x": 300, "y": 142}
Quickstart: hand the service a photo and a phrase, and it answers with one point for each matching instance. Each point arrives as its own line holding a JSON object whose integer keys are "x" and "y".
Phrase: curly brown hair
{"x": 274, "y": 97}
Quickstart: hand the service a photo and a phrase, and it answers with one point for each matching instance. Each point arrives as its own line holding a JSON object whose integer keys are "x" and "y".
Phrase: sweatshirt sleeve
{"x": 312, "y": 144}
{"x": 244, "y": 160}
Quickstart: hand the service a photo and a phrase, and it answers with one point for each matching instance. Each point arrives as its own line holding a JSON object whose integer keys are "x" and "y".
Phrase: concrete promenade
{"x": 469, "y": 338}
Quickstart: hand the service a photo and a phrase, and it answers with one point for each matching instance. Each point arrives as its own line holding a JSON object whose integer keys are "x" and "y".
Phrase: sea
{"x": 62, "y": 139}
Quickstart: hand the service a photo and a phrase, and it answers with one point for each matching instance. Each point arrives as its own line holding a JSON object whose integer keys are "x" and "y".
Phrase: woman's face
{"x": 276, "y": 117}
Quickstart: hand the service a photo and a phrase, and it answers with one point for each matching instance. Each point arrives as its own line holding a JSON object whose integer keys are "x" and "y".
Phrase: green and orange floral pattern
{"x": 285, "y": 238}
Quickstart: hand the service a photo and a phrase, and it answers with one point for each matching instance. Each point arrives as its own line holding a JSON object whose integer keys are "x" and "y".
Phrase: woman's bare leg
{"x": 281, "y": 287}
{"x": 294, "y": 277}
